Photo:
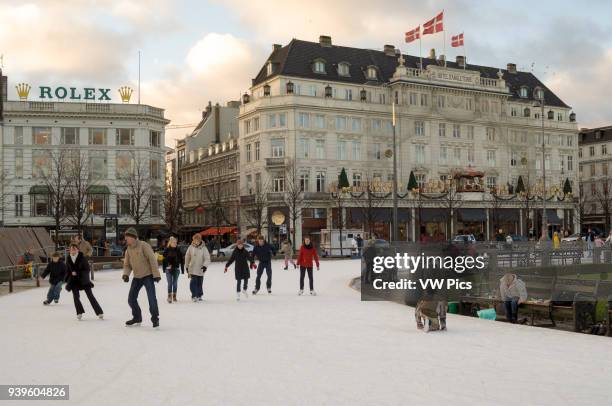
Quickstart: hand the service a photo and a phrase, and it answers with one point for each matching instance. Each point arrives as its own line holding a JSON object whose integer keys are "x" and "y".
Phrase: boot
{"x": 174, "y": 297}
{"x": 169, "y": 297}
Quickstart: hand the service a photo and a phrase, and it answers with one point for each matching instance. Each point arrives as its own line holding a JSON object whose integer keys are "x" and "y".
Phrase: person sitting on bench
{"x": 513, "y": 292}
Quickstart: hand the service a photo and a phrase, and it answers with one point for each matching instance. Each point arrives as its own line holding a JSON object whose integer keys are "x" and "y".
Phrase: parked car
{"x": 227, "y": 251}
{"x": 116, "y": 250}
{"x": 573, "y": 237}
{"x": 462, "y": 238}
{"x": 517, "y": 237}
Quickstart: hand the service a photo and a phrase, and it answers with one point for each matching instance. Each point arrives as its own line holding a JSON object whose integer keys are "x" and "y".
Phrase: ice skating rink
{"x": 283, "y": 349}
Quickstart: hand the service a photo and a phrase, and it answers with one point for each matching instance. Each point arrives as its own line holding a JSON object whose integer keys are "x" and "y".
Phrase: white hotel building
{"x": 111, "y": 137}
{"x": 328, "y": 107}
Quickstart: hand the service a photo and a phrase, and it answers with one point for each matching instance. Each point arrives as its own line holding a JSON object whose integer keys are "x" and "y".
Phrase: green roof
{"x": 98, "y": 190}
{"x": 39, "y": 190}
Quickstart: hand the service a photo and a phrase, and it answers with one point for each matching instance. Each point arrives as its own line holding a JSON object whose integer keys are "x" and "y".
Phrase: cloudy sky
{"x": 194, "y": 51}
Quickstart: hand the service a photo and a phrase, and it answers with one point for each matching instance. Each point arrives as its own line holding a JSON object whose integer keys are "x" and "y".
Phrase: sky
{"x": 195, "y": 51}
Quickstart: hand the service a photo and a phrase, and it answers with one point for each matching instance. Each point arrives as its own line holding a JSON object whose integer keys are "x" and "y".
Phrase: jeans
{"x": 92, "y": 300}
{"x": 511, "y": 308}
{"x": 260, "y": 269}
{"x": 137, "y": 284}
{"x": 245, "y": 284}
{"x": 196, "y": 286}
{"x": 590, "y": 248}
{"x": 303, "y": 271}
{"x": 54, "y": 291}
{"x": 172, "y": 278}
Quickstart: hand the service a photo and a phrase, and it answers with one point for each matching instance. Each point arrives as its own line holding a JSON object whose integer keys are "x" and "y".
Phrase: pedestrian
{"x": 287, "y": 251}
{"x": 172, "y": 264}
{"x": 513, "y": 292}
{"x": 306, "y": 256}
{"x": 85, "y": 248}
{"x": 599, "y": 242}
{"x": 28, "y": 260}
{"x": 140, "y": 260}
{"x": 197, "y": 260}
{"x": 243, "y": 263}
{"x": 359, "y": 240}
{"x": 77, "y": 279}
{"x": 590, "y": 239}
{"x": 556, "y": 241}
{"x": 264, "y": 253}
{"x": 56, "y": 269}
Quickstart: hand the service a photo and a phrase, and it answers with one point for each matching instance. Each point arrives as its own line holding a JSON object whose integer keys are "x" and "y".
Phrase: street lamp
{"x": 540, "y": 97}
{"x": 395, "y": 228}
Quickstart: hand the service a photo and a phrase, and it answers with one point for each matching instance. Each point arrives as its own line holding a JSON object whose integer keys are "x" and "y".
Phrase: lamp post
{"x": 544, "y": 215}
{"x": 394, "y": 235}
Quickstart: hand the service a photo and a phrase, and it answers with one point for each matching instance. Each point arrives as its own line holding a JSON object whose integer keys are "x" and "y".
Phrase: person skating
{"x": 264, "y": 253}
{"x": 77, "y": 279}
{"x": 197, "y": 259}
{"x": 306, "y": 256}
{"x": 243, "y": 263}
{"x": 287, "y": 251}
{"x": 172, "y": 264}
{"x": 56, "y": 269}
{"x": 141, "y": 260}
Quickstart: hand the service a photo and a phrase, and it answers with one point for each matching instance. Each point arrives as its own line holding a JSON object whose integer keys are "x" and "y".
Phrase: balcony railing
{"x": 276, "y": 162}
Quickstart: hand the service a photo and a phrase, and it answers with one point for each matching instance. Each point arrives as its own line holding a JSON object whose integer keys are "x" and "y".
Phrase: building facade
{"x": 318, "y": 109}
{"x": 595, "y": 204}
{"x": 112, "y": 155}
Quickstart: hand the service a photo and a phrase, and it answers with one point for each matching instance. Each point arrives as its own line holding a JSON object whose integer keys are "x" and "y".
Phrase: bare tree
{"x": 580, "y": 205}
{"x": 451, "y": 201}
{"x": 216, "y": 203}
{"x": 254, "y": 212}
{"x": 293, "y": 197}
{"x": 139, "y": 186}
{"x": 368, "y": 202}
{"x": 77, "y": 212}
{"x": 603, "y": 197}
{"x": 172, "y": 205}
{"x": 58, "y": 182}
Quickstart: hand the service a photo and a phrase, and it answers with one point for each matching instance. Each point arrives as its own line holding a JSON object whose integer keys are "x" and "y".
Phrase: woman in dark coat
{"x": 173, "y": 262}
{"x": 242, "y": 258}
{"x": 78, "y": 279}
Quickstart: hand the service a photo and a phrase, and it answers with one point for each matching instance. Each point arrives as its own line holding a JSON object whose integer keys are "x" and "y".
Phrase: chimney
{"x": 207, "y": 111}
{"x": 432, "y": 53}
{"x": 460, "y": 61}
{"x": 511, "y": 67}
{"x": 389, "y": 50}
{"x": 325, "y": 41}
{"x": 441, "y": 59}
{"x": 276, "y": 47}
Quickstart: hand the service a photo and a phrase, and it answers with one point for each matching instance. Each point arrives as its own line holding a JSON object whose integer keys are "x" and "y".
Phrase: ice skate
{"x": 269, "y": 291}
{"x": 301, "y": 292}
{"x": 285, "y": 268}
{"x": 155, "y": 323}
{"x": 174, "y": 297}
{"x": 79, "y": 316}
{"x": 46, "y": 303}
{"x": 132, "y": 322}
{"x": 200, "y": 299}
{"x": 101, "y": 316}
{"x": 237, "y": 296}
{"x": 245, "y": 293}
{"x": 56, "y": 301}
{"x": 313, "y": 293}
{"x": 194, "y": 299}
{"x": 431, "y": 325}
{"x": 255, "y": 291}
{"x": 169, "y": 298}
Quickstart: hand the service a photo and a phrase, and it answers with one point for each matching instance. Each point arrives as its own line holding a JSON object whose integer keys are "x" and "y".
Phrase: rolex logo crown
{"x": 126, "y": 93}
{"x": 23, "y": 90}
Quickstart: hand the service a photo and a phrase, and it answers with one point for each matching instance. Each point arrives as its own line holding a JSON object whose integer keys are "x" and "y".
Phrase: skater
{"x": 306, "y": 256}
{"x": 264, "y": 253}
{"x": 140, "y": 259}
{"x": 513, "y": 292}
{"x": 197, "y": 260}
{"x": 243, "y": 260}
{"x": 359, "y": 244}
{"x": 287, "y": 251}
{"x": 77, "y": 279}
{"x": 57, "y": 271}
{"x": 430, "y": 314}
{"x": 173, "y": 262}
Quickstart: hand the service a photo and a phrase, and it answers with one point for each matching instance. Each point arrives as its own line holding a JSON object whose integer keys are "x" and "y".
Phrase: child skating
{"x": 287, "y": 251}
{"x": 78, "y": 279}
{"x": 306, "y": 256}
{"x": 242, "y": 260}
{"x": 56, "y": 269}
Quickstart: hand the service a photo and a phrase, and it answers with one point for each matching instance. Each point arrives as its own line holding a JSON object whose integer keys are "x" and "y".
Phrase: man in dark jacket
{"x": 243, "y": 259}
{"x": 78, "y": 279}
{"x": 264, "y": 253}
{"x": 57, "y": 271}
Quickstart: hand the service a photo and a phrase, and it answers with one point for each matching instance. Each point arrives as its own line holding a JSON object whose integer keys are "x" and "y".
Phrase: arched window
{"x": 343, "y": 69}
{"x": 371, "y": 72}
{"x": 318, "y": 66}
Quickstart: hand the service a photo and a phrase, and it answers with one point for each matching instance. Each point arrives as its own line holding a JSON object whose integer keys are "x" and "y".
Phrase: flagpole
{"x": 444, "y": 35}
{"x": 464, "y": 51}
{"x": 420, "y": 52}
{"x": 139, "y": 76}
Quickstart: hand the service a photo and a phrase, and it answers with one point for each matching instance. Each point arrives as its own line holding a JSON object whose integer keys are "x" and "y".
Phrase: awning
{"x": 504, "y": 215}
{"x": 551, "y": 215}
{"x": 98, "y": 190}
{"x": 218, "y": 231}
{"x": 433, "y": 215}
{"x": 40, "y": 190}
{"x": 472, "y": 215}
{"x": 378, "y": 214}
{"x": 248, "y": 232}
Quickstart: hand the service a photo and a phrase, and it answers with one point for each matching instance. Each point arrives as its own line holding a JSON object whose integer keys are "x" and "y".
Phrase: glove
{"x": 225, "y": 271}
{"x": 157, "y": 279}
{"x": 126, "y": 278}
{"x": 204, "y": 269}
{"x": 253, "y": 266}
{"x": 189, "y": 275}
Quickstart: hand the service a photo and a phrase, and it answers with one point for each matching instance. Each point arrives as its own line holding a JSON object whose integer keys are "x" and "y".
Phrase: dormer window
{"x": 318, "y": 66}
{"x": 538, "y": 93}
{"x": 269, "y": 69}
{"x": 523, "y": 92}
{"x": 372, "y": 73}
{"x": 343, "y": 69}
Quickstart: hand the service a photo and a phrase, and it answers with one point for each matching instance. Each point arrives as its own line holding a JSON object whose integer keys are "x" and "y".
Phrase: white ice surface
{"x": 283, "y": 349}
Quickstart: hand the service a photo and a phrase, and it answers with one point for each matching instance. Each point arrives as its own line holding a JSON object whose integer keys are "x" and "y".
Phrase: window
{"x": 98, "y": 203}
{"x": 341, "y": 150}
{"x": 249, "y": 183}
{"x": 441, "y": 101}
{"x": 604, "y": 169}
{"x": 470, "y": 155}
{"x": 513, "y": 158}
{"x": 491, "y": 182}
{"x": 356, "y": 179}
{"x": 278, "y": 147}
{"x": 538, "y": 94}
{"x": 303, "y": 148}
{"x": 424, "y": 99}
{"x": 419, "y": 128}
{"x": 580, "y": 153}
{"x": 155, "y": 206}
{"x": 604, "y": 149}
{"x": 414, "y": 97}
{"x": 304, "y": 120}
{"x": 18, "y": 136}
{"x": 319, "y": 66}
{"x": 457, "y": 155}
{"x": 154, "y": 168}
{"x": 469, "y": 104}
{"x": 591, "y": 150}
{"x": 442, "y": 130}
{"x": 569, "y": 140}
{"x": 40, "y": 205}
{"x": 377, "y": 151}
{"x": 348, "y": 94}
{"x": 319, "y": 121}
{"x": 18, "y": 163}
{"x": 513, "y": 111}
{"x": 271, "y": 122}
{"x": 278, "y": 183}
{"x": 282, "y": 119}
{"x": 269, "y": 69}
{"x": 490, "y": 134}
{"x": 491, "y": 157}
{"x": 248, "y": 152}
{"x": 570, "y": 163}
{"x": 419, "y": 153}
{"x": 320, "y": 179}
{"x": 41, "y": 164}
{"x": 421, "y": 180}
{"x": 340, "y": 123}
{"x": 97, "y": 136}
{"x": 155, "y": 138}
{"x": 124, "y": 206}
{"x": 443, "y": 155}
{"x": 376, "y": 124}
{"x": 356, "y": 124}
{"x": 356, "y": 150}
{"x": 125, "y": 136}
{"x": 470, "y": 132}
{"x": 456, "y": 131}
{"x": 97, "y": 165}
{"x": 258, "y": 182}
{"x": 523, "y": 92}
{"x": 320, "y": 149}
{"x": 124, "y": 163}
{"x": 382, "y": 98}
{"x": 257, "y": 150}
{"x": 559, "y": 116}
{"x": 41, "y": 135}
{"x": 18, "y": 205}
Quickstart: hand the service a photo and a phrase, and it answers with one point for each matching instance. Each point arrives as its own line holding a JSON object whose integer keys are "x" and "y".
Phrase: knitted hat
{"x": 131, "y": 232}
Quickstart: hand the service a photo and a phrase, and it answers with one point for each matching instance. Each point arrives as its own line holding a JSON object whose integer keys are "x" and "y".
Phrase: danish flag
{"x": 434, "y": 25}
{"x": 413, "y": 34}
{"x": 457, "y": 40}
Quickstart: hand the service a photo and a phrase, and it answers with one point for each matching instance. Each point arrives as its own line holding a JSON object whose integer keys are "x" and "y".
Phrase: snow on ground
{"x": 284, "y": 349}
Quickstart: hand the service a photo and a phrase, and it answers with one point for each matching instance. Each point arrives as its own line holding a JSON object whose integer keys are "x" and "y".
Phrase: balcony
{"x": 316, "y": 196}
{"x": 276, "y": 162}
{"x": 247, "y": 199}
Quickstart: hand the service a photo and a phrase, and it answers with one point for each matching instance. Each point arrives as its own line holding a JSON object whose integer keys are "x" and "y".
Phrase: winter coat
{"x": 243, "y": 260}
{"x": 307, "y": 254}
{"x": 140, "y": 259}
{"x": 81, "y": 280}
{"x": 57, "y": 270}
{"x": 173, "y": 258}
{"x": 263, "y": 253}
{"x": 196, "y": 257}
{"x": 516, "y": 287}
{"x": 286, "y": 249}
